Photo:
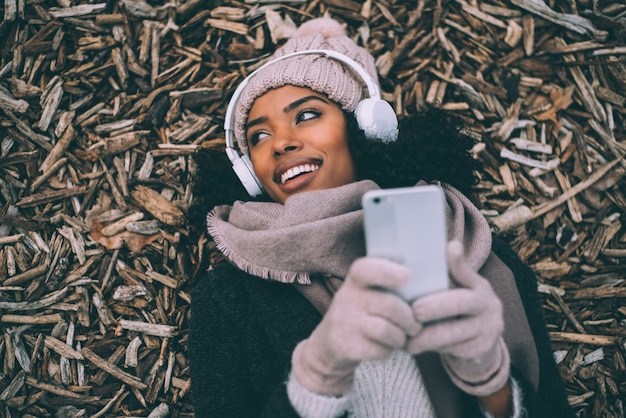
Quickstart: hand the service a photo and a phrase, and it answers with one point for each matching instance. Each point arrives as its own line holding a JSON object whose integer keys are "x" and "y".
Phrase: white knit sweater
{"x": 387, "y": 388}
{"x": 390, "y": 388}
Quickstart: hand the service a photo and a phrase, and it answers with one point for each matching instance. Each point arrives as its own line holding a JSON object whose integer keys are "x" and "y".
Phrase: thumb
{"x": 460, "y": 270}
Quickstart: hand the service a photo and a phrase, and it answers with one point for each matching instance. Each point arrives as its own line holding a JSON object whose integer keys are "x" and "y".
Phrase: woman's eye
{"x": 307, "y": 115}
{"x": 256, "y": 137}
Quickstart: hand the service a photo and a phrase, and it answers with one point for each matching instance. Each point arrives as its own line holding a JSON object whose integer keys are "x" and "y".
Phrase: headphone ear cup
{"x": 243, "y": 169}
{"x": 377, "y": 119}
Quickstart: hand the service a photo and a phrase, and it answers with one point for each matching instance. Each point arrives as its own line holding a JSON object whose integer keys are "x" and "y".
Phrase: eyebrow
{"x": 286, "y": 109}
{"x": 298, "y": 102}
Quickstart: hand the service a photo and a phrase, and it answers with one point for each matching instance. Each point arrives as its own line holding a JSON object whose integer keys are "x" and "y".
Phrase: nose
{"x": 285, "y": 140}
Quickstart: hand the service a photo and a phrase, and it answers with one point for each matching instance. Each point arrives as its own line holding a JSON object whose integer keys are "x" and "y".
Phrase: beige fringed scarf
{"x": 313, "y": 238}
{"x": 321, "y": 232}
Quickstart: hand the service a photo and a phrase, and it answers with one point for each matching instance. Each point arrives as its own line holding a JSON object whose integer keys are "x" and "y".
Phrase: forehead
{"x": 275, "y": 99}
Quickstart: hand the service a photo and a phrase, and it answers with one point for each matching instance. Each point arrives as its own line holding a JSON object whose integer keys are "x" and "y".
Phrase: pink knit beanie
{"x": 315, "y": 71}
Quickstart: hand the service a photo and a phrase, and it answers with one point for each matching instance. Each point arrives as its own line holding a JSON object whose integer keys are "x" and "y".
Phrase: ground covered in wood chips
{"x": 102, "y": 106}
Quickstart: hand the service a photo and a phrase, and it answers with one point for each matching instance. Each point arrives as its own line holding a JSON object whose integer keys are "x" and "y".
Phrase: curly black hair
{"x": 431, "y": 146}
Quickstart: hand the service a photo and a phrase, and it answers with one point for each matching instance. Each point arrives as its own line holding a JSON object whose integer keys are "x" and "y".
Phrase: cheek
{"x": 345, "y": 163}
{"x": 257, "y": 160}
{"x": 260, "y": 170}
{"x": 349, "y": 172}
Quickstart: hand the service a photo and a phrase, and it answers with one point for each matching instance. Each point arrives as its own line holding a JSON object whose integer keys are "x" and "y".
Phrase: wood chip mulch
{"x": 102, "y": 106}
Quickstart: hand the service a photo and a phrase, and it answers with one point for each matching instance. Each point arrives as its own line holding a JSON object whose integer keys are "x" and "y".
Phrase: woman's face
{"x": 298, "y": 142}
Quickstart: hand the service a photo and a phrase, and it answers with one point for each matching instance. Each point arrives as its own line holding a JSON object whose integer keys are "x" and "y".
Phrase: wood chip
{"x": 112, "y": 369}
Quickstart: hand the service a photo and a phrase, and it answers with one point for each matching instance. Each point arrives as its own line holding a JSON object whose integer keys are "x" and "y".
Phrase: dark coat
{"x": 244, "y": 329}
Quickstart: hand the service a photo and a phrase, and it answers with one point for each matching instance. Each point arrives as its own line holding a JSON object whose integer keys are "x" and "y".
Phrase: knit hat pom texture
{"x": 326, "y": 26}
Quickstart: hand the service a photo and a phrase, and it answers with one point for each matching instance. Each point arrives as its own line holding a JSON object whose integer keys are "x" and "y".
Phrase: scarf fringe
{"x": 215, "y": 216}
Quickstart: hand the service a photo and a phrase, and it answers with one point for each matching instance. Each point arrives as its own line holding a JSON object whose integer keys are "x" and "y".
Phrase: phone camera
{"x": 376, "y": 200}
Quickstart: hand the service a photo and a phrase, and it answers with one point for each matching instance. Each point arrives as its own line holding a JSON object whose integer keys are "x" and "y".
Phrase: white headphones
{"x": 375, "y": 117}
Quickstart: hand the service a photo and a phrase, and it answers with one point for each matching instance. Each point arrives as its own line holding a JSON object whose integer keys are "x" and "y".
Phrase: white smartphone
{"x": 408, "y": 225}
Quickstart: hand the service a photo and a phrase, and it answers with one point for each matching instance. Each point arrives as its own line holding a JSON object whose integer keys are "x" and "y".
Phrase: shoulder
{"x": 226, "y": 295}
{"x": 218, "y": 298}
{"x": 209, "y": 291}
{"x": 225, "y": 287}
{"x": 226, "y": 279}
{"x": 523, "y": 281}
{"x": 215, "y": 298}
{"x": 509, "y": 257}
{"x": 525, "y": 278}
{"x": 221, "y": 278}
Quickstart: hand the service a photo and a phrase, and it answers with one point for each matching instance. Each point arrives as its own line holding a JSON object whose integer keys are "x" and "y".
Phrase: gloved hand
{"x": 363, "y": 322}
{"x": 466, "y": 325}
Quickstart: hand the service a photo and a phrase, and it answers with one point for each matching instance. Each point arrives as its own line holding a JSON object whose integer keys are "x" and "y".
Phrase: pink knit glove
{"x": 468, "y": 329}
{"x": 363, "y": 322}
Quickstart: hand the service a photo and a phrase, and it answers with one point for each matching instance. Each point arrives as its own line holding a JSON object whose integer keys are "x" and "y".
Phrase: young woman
{"x": 296, "y": 322}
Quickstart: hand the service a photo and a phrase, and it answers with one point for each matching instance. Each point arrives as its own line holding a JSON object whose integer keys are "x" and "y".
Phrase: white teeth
{"x": 292, "y": 172}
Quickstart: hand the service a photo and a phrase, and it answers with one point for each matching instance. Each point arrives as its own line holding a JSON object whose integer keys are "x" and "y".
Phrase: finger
{"x": 470, "y": 349}
{"x": 461, "y": 271}
{"x": 473, "y": 340}
{"x": 384, "y": 333}
{"x": 372, "y": 271}
{"x": 443, "y": 336}
{"x": 393, "y": 309}
{"x": 447, "y": 304}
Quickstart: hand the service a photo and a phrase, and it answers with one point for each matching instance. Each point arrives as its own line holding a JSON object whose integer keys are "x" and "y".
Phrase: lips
{"x": 294, "y": 167}
{"x": 298, "y": 170}
{"x": 296, "y": 174}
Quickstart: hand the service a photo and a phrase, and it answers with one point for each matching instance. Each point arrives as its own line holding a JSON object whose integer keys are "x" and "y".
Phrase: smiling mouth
{"x": 294, "y": 172}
